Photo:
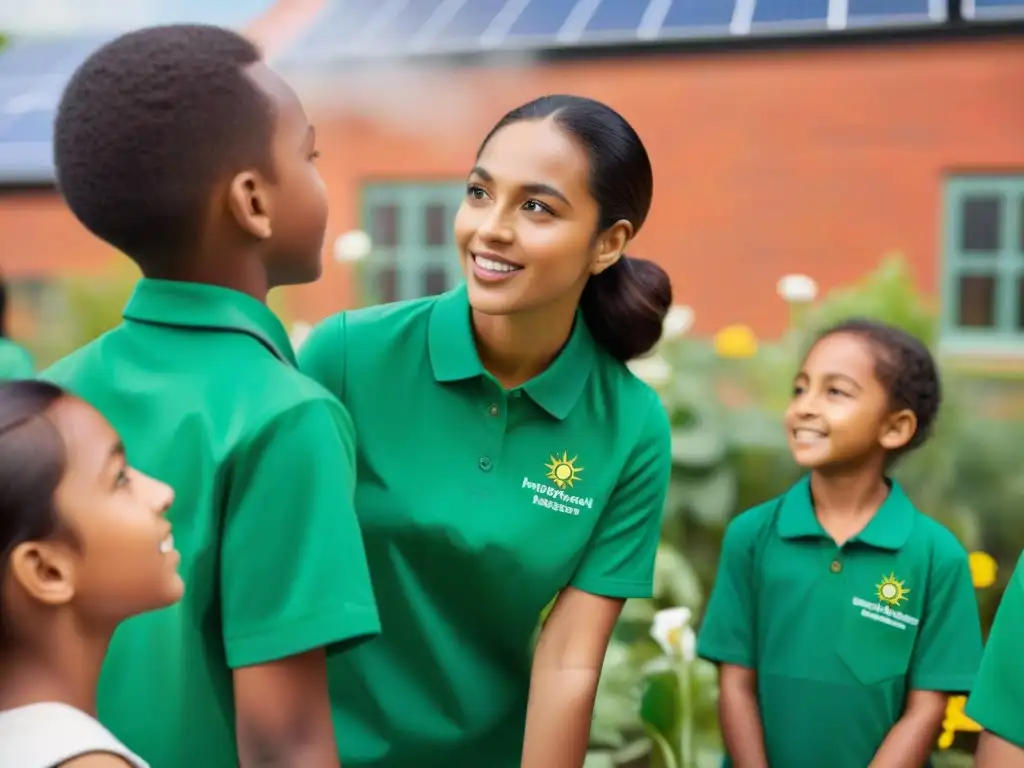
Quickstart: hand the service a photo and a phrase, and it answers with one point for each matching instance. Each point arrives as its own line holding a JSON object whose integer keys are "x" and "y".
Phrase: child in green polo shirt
{"x": 842, "y": 618}
{"x": 182, "y": 149}
{"x": 997, "y": 701}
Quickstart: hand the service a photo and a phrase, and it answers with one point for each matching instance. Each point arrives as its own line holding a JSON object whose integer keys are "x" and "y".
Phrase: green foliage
{"x": 888, "y": 294}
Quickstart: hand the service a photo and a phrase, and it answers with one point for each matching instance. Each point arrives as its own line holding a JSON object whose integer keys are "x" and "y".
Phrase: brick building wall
{"x": 815, "y": 160}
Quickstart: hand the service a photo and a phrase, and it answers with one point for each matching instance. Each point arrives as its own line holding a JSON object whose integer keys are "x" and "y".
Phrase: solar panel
{"x": 470, "y": 22}
{"x": 697, "y": 17}
{"x": 541, "y": 20}
{"x": 32, "y": 76}
{"x": 615, "y": 20}
{"x": 863, "y": 13}
{"x": 791, "y": 13}
{"x": 993, "y": 9}
{"x": 335, "y": 29}
{"x": 33, "y": 72}
{"x": 352, "y": 28}
{"x": 395, "y": 30}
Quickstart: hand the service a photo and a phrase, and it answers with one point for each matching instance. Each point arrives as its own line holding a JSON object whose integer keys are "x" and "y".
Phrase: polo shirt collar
{"x": 888, "y": 529}
{"x": 454, "y": 357}
{"x": 208, "y": 308}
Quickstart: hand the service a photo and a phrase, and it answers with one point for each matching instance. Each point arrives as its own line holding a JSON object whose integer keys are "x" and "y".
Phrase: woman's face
{"x": 123, "y": 561}
{"x": 527, "y": 228}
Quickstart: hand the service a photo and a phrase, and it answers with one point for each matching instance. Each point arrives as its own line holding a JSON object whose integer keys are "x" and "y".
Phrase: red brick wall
{"x": 816, "y": 161}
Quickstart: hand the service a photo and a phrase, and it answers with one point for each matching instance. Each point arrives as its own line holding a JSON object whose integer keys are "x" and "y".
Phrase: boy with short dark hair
{"x": 180, "y": 147}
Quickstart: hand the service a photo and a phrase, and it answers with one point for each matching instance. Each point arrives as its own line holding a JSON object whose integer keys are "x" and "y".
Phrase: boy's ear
{"x": 249, "y": 203}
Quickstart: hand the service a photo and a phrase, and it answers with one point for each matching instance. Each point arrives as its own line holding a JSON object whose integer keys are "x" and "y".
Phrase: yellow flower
{"x": 735, "y": 341}
{"x": 983, "y": 569}
{"x": 955, "y": 721}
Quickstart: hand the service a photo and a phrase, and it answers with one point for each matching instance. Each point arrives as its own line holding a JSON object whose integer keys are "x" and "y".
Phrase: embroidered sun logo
{"x": 563, "y": 472}
{"x": 891, "y": 590}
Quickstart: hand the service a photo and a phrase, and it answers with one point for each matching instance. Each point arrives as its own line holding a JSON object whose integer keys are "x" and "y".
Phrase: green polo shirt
{"x": 997, "y": 701}
{"x": 201, "y": 383}
{"x": 478, "y": 505}
{"x": 840, "y": 635}
{"x": 15, "y": 361}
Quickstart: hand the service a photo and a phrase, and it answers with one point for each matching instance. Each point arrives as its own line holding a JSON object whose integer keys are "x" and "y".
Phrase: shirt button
{"x": 835, "y": 566}
{"x": 485, "y": 464}
{"x": 493, "y": 410}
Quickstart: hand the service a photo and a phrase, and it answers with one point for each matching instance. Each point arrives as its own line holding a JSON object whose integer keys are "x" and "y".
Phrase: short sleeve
{"x": 948, "y": 649}
{"x": 619, "y": 560}
{"x": 22, "y": 366}
{"x": 322, "y": 355}
{"x": 997, "y": 701}
{"x": 728, "y": 632}
{"x": 294, "y": 575}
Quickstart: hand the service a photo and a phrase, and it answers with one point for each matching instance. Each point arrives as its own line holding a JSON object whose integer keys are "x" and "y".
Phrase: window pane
{"x": 977, "y": 302}
{"x": 384, "y": 225}
{"x": 387, "y": 284}
{"x": 436, "y": 225}
{"x": 1020, "y": 226}
{"x": 982, "y": 218}
{"x": 1020, "y": 303}
{"x": 435, "y": 280}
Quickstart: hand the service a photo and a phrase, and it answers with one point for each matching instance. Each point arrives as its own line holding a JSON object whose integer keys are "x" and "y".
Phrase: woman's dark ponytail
{"x": 625, "y": 305}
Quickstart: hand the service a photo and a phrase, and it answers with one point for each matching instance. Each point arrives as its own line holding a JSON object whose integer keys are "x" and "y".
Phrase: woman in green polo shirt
{"x": 15, "y": 361}
{"x": 506, "y": 455}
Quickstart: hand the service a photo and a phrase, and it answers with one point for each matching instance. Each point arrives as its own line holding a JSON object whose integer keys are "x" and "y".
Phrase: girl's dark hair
{"x": 905, "y": 367}
{"x": 625, "y": 305}
{"x": 32, "y": 461}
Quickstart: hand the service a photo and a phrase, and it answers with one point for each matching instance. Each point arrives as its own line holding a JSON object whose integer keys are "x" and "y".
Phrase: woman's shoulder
{"x": 382, "y": 320}
{"x": 50, "y": 733}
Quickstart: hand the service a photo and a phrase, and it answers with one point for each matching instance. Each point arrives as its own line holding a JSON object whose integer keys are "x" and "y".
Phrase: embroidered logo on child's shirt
{"x": 891, "y": 590}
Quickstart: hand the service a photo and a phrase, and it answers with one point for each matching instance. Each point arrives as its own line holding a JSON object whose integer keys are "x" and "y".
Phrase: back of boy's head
{"x": 32, "y": 461}
{"x": 905, "y": 368}
{"x": 146, "y": 128}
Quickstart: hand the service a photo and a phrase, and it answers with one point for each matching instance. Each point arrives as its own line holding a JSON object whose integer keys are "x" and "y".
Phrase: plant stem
{"x": 686, "y": 756}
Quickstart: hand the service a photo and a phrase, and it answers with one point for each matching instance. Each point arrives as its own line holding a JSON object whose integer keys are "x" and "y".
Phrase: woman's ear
{"x": 611, "y": 245}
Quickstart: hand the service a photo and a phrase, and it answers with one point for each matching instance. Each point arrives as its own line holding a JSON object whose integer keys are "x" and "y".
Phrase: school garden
{"x": 816, "y": 166}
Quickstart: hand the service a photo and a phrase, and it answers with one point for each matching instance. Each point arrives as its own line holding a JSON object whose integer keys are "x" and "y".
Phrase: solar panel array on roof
{"x": 33, "y": 73}
{"x": 984, "y": 10}
{"x": 32, "y": 76}
{"x": 358, "y": 28}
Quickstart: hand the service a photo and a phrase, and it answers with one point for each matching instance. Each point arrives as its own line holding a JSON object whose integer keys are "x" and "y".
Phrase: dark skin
{"x": 261, "y": 232}
{"x": 995, "y": 752}
{"x": 841, "y": 427}
{"x": 265, "y": 230}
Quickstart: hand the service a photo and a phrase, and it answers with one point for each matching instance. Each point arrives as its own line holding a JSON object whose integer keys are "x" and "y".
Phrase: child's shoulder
{"x": 942, "y": 544}
{"x": 751, "y": 524}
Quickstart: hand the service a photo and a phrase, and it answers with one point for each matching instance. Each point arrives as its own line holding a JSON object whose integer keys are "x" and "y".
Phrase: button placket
{"x": 495, "y": 409}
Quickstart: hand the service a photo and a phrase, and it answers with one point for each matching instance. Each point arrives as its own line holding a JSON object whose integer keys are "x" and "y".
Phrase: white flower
{"x": 677, "y": 322}
{"x": 671, "y": 629}
{"x": 654, "y": 370}
{"x": 688, "y": 644}
{"x": 300, "y": 331}
{"x": 797, "y": 289}
{"x": 352, "y": 246}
